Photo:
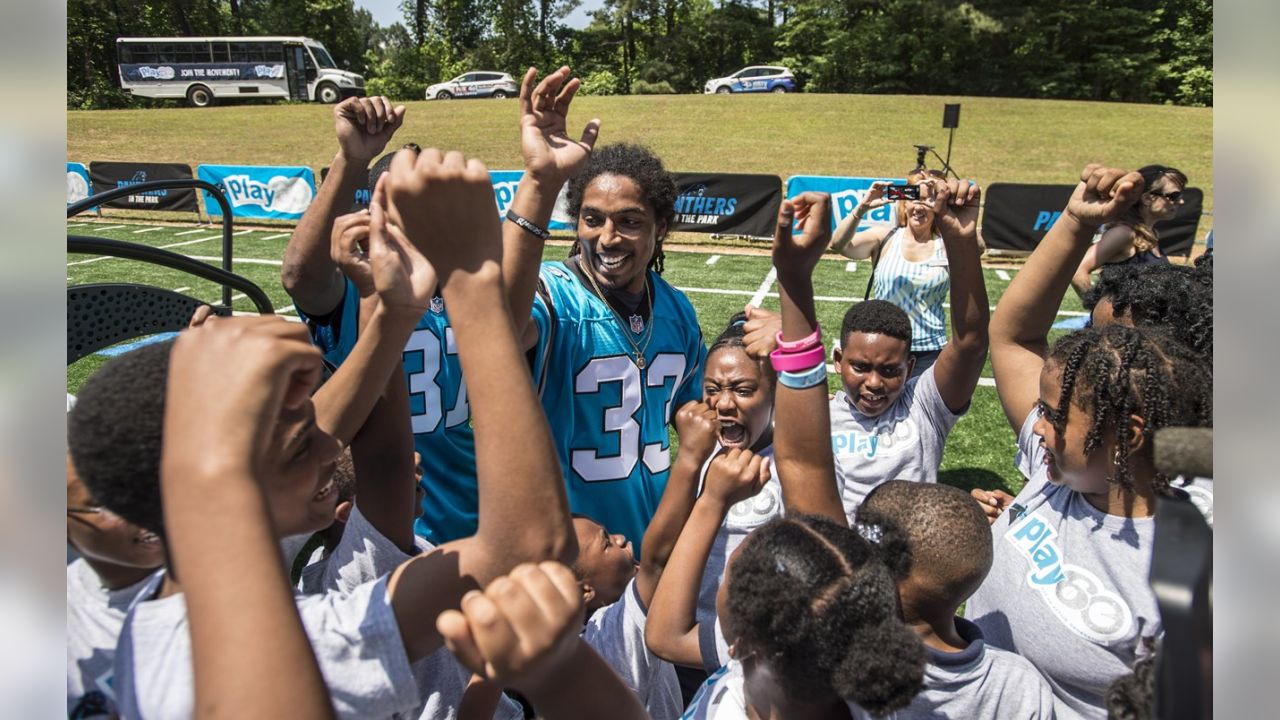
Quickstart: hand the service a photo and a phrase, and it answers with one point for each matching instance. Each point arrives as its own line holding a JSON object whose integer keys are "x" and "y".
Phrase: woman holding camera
{"x": 1132, "y": 239}
{"x": 909, "y": 263}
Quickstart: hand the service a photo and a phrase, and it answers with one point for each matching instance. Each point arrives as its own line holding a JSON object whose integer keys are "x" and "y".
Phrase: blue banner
{"x": 846, "y": 193}
{"x": 505, "y": 183}
{"x": 188, "y": 72}
{"x": 78, "y": 185}
{"x": 259, "y": 191}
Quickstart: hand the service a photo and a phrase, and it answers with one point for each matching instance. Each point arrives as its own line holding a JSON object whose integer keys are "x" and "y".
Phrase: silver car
{"x": 476, "y": 84}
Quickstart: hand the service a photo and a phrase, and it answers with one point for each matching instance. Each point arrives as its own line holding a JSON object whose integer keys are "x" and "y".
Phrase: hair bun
{"x": 883, "y": 669}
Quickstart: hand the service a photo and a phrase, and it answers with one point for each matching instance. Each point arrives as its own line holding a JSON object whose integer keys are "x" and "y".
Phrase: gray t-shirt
{"x": 979, "y": 683}
{"x": 1068, "y": 587}
{"x": 904, "y": 442}
{"x": 94, "y": 618}
{"x": 355, "y": 638}
{"x": 616, "y": 632}
{"x": 723, "y": 697}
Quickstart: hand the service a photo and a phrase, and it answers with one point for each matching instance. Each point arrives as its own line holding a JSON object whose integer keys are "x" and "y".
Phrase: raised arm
{"x": 550, "y": 159}
{"x": 1021, "y": 323}
{"x": 960, "y": 363}
{"x": 522, "y": 632}
{"x": 855, "y": 245}
{"x": 802, "y": 423}
{"x": 672, "y": 629}
{"x": 309, "y": 275}
{"x": 696, "y": 426}
{"x": 220, "y": 536}
{"x": 443, "y": 206}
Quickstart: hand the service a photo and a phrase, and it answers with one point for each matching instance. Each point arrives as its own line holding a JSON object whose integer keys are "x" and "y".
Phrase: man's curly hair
{"x": 644, "y": 168}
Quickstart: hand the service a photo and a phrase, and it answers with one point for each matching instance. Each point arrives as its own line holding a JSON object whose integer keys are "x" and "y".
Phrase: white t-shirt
{"x": 94, "y": 617}
{"x": 355, "y": 638}
{"x": 741, "y": 519}
{"x": 616, "y": 632}
{"x": 904, "y": 442}
{"x": 722, "y": 697}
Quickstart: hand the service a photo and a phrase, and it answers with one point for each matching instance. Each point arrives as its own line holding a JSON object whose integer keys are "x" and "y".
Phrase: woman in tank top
{"x": 1132, "y": 238}
{"x": 911, "y": 267}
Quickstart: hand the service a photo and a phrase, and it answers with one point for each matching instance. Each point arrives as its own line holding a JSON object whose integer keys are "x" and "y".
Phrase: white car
{"x": 477, "y": 84}
{"x": 757, "y": 78}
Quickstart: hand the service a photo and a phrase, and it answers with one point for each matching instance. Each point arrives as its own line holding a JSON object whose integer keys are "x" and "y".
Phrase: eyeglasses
{"x": 1173, "y": 197}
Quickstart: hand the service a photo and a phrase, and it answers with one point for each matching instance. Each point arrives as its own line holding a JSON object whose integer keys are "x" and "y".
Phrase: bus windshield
{"x": 322, "y": 56}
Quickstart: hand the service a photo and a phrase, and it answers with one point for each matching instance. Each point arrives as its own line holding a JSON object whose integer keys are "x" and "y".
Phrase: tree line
{"x": 1157, "y": 51}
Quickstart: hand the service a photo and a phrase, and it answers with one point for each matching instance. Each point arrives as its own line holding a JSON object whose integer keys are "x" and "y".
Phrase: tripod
{"x": 922, "y": 150}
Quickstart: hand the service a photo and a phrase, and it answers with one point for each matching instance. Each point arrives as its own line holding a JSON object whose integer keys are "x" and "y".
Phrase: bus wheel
{"x": 328, "y": 93}
{"x": 199, "y": 96}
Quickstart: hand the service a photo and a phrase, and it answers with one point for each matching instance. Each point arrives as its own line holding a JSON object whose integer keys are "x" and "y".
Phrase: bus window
{"x": 219, "y": 52}
{"x": 322, "y": 56}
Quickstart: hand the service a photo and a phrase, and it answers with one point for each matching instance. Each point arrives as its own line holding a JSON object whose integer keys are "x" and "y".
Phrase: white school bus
{"x": 205, "y": 69}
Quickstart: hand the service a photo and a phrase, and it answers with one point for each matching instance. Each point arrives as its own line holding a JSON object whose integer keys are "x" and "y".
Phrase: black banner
{"x": 727, "y": 203}
{"x": 111, "y": 175}
{"x": 1016, "y": 217}
{"x": 361, "y": 199}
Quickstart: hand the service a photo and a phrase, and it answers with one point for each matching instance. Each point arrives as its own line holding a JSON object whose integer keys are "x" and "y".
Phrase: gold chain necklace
{"x": 626, "y": 330}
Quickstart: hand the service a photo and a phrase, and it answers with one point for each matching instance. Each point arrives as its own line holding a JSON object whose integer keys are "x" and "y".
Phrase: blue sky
{"x": 386, "y": 12}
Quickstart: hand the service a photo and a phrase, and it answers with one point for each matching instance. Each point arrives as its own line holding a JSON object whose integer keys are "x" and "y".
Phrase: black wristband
{"x": 528, "y": 225}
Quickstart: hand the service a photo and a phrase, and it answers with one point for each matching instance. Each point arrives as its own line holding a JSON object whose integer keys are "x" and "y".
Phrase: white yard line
{"x": 243, "y": 232}
{"x": 147, "y": 230}
{"x": 77, "y": 225}
{"x": 181, "y": 289}
{"x": 286, "y": 309}
{"x": 851, "y": 266}
{"x": 765, "y": 284}
{"x": 112, "y": 227}
{"x": 819, "y": 298}
{"x": 162, "y": 247}
{"x": 191, "y": 232}
{"x": 277, "y": 237}
{"x": 713, "y": 259}
{"x": 247, "y": 261}
{"x": 1002, "y": 275}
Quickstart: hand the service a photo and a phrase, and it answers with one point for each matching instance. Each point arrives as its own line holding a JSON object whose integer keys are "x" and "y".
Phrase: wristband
{"x": 528, "y": 226}
{"x": 793, "y": 362}
{"x": 804, "y": 380}
{"x": 804, "y": 343}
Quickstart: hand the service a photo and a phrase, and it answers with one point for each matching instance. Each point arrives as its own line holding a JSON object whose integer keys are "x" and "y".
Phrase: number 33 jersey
{"x": 439, "y": 412}
{"x": 608, "y": 415}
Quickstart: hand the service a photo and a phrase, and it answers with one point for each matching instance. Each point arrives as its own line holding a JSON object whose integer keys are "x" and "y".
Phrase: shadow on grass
{"x": 970, "y": 477}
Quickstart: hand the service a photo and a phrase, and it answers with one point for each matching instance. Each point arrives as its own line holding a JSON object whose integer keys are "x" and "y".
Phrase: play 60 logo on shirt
{"x": 1077, "y": 596}
{"x": 257, "y": 191}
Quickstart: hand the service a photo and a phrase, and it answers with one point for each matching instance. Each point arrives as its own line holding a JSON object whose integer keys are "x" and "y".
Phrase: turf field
{"x": 718, "y": 282}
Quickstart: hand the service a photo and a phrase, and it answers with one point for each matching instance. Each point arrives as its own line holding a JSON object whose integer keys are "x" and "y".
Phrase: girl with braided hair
{"x": 1068, "y": 586}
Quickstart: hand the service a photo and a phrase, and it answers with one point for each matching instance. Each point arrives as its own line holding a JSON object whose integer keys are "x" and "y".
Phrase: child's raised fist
{"x": 1103, "y": 194}
{"x": 736, "y": 475}
{"x": 697, "y": 427}
{"x": 796, "y": 254}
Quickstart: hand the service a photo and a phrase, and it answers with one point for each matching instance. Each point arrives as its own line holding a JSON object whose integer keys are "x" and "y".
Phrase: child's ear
{"x": 342, "y": 512}
{"x": 588, "y": 593}
{"x": 1137, "y": 436}
{"x": 835, "y": 357}
{"x": 911, "y": 363}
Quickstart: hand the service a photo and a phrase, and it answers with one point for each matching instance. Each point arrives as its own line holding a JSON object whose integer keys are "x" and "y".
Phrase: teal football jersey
{"x": 438, "y": 405}
{"x": 609, "y": 416}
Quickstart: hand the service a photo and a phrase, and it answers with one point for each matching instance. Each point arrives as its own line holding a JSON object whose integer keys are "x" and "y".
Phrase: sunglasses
{"x": 91, "y": 510}
{"x": 1174, "y": 196}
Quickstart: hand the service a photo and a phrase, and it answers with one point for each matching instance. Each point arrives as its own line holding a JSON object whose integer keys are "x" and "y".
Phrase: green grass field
{"x": 979, "y": 451}
{"x": 999, "y": 139}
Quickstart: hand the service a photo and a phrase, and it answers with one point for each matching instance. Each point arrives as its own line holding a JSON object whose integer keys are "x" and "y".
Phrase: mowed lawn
{"x": 980, "y": 449}
{"x": 999, "y": 139}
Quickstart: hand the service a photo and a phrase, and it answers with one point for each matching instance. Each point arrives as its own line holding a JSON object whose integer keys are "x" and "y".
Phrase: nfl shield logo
{"x": 437, "y": 305}
{"x": 637, "y": 324}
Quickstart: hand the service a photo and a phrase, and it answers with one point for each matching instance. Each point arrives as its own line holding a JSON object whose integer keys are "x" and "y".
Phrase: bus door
{"x": 295, "y": 70}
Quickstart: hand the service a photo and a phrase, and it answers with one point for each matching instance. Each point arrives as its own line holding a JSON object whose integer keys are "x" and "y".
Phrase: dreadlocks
{"x": 1115, "y": 372}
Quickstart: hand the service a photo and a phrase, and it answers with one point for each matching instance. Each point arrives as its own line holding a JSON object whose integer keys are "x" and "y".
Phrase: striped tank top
{"x": 919, "y": 288}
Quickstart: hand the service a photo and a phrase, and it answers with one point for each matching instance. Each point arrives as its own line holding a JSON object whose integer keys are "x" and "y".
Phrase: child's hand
{"x": 521, "y": 630}
{"x": 364, "y": 125}
{"x": 444, "y": 205}
{"x": 202, "y": 313}
{"x": 761, "y": 331}
{"x": 240, "y": 373}
{"x": 1103, "y": 195}
{"x": 955, "y": 205}
{"x": 697, "y": 427}
{"x": 735, "y": 476}
{"x": 796, "y": 255}
{"x": 548, "y": 152}
{"x": 349, "y": 248}
{"x": 993, "y": 502}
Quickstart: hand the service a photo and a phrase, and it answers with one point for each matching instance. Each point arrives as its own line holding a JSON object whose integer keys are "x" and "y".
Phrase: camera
{"x": 902, "y": 192}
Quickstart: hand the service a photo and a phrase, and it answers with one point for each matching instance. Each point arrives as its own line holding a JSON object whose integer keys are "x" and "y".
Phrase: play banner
{"x": 729, "y": 204}
{"x": 260, "y": 191}
{"x": 187, "y": 72}
{"x": 77, "y": 182}
{"x": 1016, "y": 217}
{"x": 505, "y": 183}
{"x": 846, "y": 193}
{"x": 106, "y": 176}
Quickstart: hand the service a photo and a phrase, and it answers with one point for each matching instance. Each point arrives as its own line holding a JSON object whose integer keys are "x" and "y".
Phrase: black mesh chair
{"x": 102, "y": 314}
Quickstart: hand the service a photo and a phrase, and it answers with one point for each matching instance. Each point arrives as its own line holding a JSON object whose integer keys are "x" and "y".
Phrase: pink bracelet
{"x": 804, "y": 343}
{"x": 793, "y": 362}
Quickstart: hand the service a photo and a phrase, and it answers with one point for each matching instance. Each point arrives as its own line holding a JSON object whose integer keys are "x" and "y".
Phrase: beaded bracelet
{"x": 804, "y": 343}
{"x": 794, "y": 362}
{"x": 804, "y": 380}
